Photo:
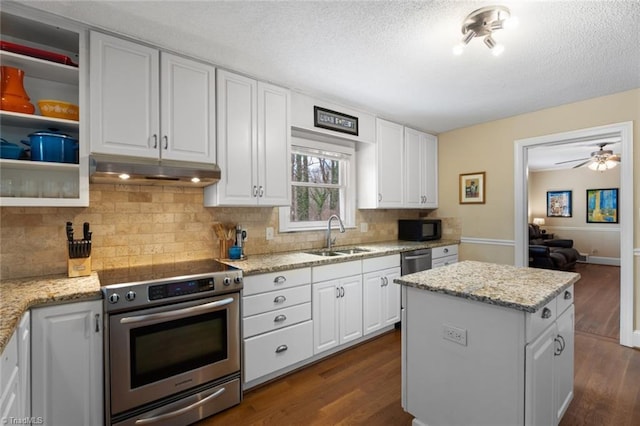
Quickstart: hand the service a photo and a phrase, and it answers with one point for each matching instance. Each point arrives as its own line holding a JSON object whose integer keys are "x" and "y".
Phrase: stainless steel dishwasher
{"x": 415, "y": 261}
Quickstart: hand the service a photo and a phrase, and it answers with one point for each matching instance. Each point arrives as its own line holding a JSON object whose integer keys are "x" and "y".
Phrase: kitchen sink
{"x": 354, "y": 250}
{"x": 325, "y": 253}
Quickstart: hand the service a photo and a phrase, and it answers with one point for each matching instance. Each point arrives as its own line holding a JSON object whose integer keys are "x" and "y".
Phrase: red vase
{"x": 14, "y": 97}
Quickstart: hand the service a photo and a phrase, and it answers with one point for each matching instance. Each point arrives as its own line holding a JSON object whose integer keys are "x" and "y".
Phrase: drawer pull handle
{"x": 280, "y": 318}
{"x": 567, "y": 295}
{"x": 279, "y": 299}
{"x": 281, "y": 348}
{"x": 446, "y": 250}
{"x": 546, "y": 313}
{"x": 280, "y": 279}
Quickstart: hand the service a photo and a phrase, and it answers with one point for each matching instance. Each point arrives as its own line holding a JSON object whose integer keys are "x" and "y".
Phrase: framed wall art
{"x": 472, "y": 188}
{"x": 332, "y": 120}
{"x": 602, "y": 205}
{"x": 558, "y": 203}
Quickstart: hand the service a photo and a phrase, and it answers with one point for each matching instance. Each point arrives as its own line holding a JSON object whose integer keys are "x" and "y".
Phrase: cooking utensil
{"x": 69, "y": 231}
{"x": 53, "y": 147}
{"x": 36, "y": 53}
{"x": 10, "y": 150}
{"x": 79, "y": 248}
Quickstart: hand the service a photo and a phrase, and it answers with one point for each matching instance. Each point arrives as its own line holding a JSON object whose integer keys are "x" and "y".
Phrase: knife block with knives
{"x": 79, "y": 252}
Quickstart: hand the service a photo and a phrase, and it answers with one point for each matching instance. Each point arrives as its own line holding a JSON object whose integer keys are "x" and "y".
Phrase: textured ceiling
{"x": 393, "y": 58}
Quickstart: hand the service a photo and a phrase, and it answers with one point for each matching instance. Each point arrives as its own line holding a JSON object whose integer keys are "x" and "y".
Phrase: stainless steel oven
{"x": 172, "y": 344}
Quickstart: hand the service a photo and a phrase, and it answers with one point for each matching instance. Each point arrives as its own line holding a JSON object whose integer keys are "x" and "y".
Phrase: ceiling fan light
{"x": 610, "y": 164}
{"x": 496, "y": 48}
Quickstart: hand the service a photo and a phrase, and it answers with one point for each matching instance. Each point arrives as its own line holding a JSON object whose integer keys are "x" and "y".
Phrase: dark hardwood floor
{"x": 361, "y": 386}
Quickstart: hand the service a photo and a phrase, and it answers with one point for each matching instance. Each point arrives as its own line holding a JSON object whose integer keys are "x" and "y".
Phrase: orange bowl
{"x": 58, "y": 109}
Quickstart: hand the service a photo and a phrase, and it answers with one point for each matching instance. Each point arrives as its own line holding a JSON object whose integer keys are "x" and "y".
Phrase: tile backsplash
{"x": 141, "y": 225}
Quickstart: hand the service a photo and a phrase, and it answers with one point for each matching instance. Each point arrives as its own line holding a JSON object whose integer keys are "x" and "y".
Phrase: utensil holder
{"x": 79, "y": 267}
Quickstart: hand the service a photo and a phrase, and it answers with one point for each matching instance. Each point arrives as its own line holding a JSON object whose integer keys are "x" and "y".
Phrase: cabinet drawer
{"x": 380, "y": 263}
{"x": 444, "y": 261}
{"x": 270, "y": 352}
{"x": 269, "y": 321}
{"x": 336, "y": 270}
{"x": 276, "y": 281}
{"x": 265, "y": 302}
{"x": 538, "y": 321}
{"x": 8, "y": 363}
{"x": 444, "y": 251}
{"x": 564, "y": 300}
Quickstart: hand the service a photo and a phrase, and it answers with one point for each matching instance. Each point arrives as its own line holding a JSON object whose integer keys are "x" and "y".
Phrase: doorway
{"x": 624, "y": 131}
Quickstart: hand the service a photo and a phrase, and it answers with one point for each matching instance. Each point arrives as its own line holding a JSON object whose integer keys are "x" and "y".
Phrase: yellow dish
{"x": 58, "y": 109}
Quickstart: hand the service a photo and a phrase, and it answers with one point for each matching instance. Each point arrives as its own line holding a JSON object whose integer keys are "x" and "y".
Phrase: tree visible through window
{"x": 316, "y": 186}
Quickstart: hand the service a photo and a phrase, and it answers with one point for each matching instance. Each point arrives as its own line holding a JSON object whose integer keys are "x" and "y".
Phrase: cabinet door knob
{"x": 166, "y": 141}
{"x": 546, "y": 313}
{"x": 155, "y": 141}
{"x": 567, "y": 295}
{"x": 379, "y": 197}
{"x": 446, "y": 250}
{"x": 281, "y": 348}
{"x": 255, "y": 191}
{"x": 341, "y": 291}
{"x": 261, "y": 191}
{"x": 279, "y": 299}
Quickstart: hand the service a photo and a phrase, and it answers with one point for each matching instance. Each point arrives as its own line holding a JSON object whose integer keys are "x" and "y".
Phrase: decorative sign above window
{"x": 333, "y": 120}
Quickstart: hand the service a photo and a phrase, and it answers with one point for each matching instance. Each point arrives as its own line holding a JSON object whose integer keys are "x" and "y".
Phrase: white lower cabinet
{"x": 443, "y": 256}
{"x": 15, "y": 397}
{"x": 66, "y": 364}
{"x": 273, "y": 351}
{"x": 337, "y": 312}
{"x": 380, "y": 295}
{"x": 549, "y": 366}
{"x": 276, "y": 321}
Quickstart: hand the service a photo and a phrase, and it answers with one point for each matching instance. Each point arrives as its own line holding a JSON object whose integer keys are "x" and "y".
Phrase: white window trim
{"x": 349, "y": 208}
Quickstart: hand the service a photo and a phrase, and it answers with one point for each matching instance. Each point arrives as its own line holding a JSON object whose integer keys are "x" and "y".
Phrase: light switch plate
{"x": 269, "y": 233}
{"x": 364, "y": 227}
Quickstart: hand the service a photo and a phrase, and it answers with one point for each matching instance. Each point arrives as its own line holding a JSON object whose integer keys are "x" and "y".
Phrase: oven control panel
{"x": 183, "y": 288}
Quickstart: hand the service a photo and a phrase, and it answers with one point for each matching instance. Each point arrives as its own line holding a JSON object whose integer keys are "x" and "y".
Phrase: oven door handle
{"x": 181, "y": 410}
{"x": 178, "y": 313}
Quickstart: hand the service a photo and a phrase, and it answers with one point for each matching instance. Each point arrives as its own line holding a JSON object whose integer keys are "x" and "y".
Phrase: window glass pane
{"x": 314, "y": 169}
{"x": 314, "y": 203}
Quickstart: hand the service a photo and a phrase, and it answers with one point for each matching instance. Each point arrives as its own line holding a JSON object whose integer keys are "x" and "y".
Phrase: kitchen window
{"x": 322, "y": 182}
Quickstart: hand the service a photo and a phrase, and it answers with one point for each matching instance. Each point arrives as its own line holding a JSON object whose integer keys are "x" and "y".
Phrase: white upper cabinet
{"x": 399, "y": 170}
{"x": 421, "y": 169}
{"x": 147, "y": 103}
{"x": 254, "y": 143}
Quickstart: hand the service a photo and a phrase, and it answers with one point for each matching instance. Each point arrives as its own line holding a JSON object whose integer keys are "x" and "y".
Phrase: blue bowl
{"x": 10, "y": 150}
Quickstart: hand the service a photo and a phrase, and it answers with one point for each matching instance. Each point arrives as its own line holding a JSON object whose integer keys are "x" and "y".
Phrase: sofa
{"x": 550, "y": 253}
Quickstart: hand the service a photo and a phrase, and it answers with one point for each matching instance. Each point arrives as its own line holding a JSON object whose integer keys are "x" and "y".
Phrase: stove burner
{"x": 148, "y": 273}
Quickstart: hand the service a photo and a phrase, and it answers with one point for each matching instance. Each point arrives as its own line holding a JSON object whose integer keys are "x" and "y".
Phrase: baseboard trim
{"x": 636, "y": 339}
{"x": 612, "y": 261}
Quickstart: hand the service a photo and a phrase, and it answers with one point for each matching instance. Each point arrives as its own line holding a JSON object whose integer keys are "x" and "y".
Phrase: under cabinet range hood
{"x": 139, "y": 171}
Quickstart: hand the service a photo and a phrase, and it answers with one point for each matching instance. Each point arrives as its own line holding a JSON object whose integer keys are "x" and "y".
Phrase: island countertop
{"x": 521, "y": 288}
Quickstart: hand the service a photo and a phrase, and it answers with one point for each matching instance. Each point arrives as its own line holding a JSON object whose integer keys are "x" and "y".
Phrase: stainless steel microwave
{"x": 419, "y": 229}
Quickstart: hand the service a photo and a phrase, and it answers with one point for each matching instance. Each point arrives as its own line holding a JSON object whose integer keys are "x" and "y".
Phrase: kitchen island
{"x": 487, "y": 344}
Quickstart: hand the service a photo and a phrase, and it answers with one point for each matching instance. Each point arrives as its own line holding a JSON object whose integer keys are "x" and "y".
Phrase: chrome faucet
{"x": 329, "y": 240}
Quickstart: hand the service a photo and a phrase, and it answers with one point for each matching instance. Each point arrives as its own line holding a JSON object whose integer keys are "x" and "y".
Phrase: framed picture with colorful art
{"x": 602, "y": 205}
{"x": 558, "y": 203}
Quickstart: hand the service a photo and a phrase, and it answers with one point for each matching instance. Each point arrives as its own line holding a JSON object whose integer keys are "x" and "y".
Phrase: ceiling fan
{"x": 600, "y": 160}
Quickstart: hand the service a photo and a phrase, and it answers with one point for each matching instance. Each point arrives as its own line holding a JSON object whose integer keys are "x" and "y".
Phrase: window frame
{"x": 347, "y": 152}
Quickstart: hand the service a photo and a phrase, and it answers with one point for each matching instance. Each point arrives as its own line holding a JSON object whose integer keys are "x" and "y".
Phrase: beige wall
{"x": 489, "y": 147}
{"x": 601, "y": 240}
{"x": 142, "y": 225}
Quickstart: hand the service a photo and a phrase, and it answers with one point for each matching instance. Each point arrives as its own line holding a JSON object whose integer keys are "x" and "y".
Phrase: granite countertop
{"x": 525, "y": 289}
{"x": 20, "y": 294}
{"x": 263, "y": 263}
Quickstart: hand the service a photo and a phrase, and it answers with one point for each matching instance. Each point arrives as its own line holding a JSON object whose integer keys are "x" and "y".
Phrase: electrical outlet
{"x": 364, "y": 227}
{"x": 269, "y": 233}
{"x": 454, "y": 334}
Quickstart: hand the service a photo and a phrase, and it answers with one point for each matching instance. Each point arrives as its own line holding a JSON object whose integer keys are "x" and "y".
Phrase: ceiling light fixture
{"x": 482, "y": 23}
